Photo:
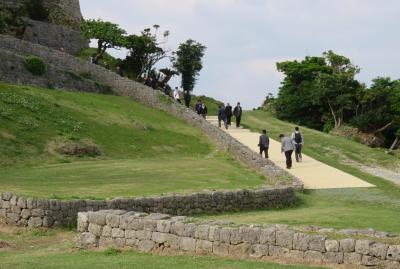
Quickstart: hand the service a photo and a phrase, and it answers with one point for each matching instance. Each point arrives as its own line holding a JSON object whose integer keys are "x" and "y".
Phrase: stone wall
{"x": 48, "y": 213}
{"x": 56, "y": 37}
{"x": 160, "y": 232}
{"x": 150, "y": 97}
{"x": 12, "y": 69}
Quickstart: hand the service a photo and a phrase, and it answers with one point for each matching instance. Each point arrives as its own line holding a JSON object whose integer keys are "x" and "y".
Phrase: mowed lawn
{"x": 358, "y": 208}
{"x": 32, "y": 249}
{"x": 144, "y": 151}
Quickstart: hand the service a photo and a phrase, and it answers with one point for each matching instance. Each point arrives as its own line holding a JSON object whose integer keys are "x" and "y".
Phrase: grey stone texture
{"x": 247, "y": 241}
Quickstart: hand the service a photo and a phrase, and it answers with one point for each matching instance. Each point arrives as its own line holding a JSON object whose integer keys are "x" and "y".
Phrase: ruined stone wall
{"x": 160, "y": 232}
{"x": 36, "y": 213}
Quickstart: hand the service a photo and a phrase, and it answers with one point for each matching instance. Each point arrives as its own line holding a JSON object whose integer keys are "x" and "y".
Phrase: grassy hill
{"x": 358, "y": 208}
{"x": 72, "y": 144}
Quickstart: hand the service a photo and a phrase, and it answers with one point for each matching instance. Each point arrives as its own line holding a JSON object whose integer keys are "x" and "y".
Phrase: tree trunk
{"x": 384, "y": 127}
{"x": 396, "y": 141}
{"x": 337, "y": 124}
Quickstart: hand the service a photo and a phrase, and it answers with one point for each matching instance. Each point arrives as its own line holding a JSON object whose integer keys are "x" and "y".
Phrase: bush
{"x": 35, "y": 65}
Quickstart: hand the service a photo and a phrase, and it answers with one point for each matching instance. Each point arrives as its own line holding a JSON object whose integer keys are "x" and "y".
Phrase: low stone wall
{"x": 150, "y": 97}
{"x": 162, "y": 232}
{"x": 48, "y": 213}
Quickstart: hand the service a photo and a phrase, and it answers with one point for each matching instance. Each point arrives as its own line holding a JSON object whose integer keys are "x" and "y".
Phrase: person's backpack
{"x": 297, "y": 138}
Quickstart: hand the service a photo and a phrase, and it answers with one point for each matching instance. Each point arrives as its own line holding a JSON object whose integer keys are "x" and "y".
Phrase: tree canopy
{"x": 189, "y": 63}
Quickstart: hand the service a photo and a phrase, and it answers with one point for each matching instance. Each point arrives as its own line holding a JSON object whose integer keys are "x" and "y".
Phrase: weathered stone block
{"x": 172, "y": 241}
{"x": 98, "y": 218}
{"x": 86, "y": 240}
{"x": 393, "y": 253}
{"x": 378, "y": 250}
{"x": 277, "y": 251}
{"x": 7, "y": 196}
{"x": 333, "y": 257}
{"x": 149, "y": 225}
{"x": 347, "y": 245}
{"x": 297, "y": 255}
{"x": 105, "y": 242}
{"x": 313, "y": 256}
{"x": 132, "y": 242}
{"x": 95, "y": 229}
{"x": 352, "y": 258}
{"x": 204, "y": 247}
{"x": 143, "y": 235}
{"x": 301, "y": 241}
{"x": 225, "y": 235}
{"x": 177, "y": 228}
{"x": 48, "y": 222}
{"x": 268, "y": 236}
{"x": 284, "y": 238}
{"x": 21, "y": 203}
{"x": 202, "y": 232}
{"x": 221, "y": 249}
{"x": 190, "y": 229}
{"x": 331, "y": 245}
{"x": 119, "y": 242}
{"x": 26, "y": 213}
{"x": 35, "y": 222}
{"x": 163, "y": 226}
{"x": 259, "y": 250}
{"x": 38, "y": 212}
{"x": 112, "y": 220}
{"x": 240, "y": 251}
{"x": 317, "y": 243}
{"x": 106, "y": 232}
{"x": 188, "y": 244}
{"x": 369, "y": 261}
{"x": 117, "y": 233}
{"x": 236, "y": 236}
{"x": 362, "y": 246}
{"x": 146, "y": 245}
{"x": 250, "y": 235}
{"x": 83, "y": 222}
{"x": 159, "y": 237}
{"x": 214, "y": 233}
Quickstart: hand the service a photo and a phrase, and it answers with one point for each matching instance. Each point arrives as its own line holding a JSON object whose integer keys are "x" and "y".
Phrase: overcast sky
{"x": 245, "y": 38}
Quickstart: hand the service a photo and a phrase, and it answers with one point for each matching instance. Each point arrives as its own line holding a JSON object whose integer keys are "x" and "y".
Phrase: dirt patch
{"x": 7, "y": 135}
{"x": 79, "y": 148}
{"x": 4, "y": 244}
{"x": 370, "y": 140}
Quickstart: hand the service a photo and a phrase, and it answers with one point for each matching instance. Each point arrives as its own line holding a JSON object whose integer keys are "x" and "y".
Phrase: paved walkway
{"x": 314, "y": 174}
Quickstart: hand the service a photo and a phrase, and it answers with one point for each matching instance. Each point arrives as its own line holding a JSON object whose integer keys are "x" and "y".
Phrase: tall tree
{"x": 108, "y": 35}
{"x": 188, "y": 62}
{"x": 145, "y": 51}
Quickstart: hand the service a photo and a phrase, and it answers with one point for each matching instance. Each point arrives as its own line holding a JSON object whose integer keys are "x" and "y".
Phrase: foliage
{"x": 107, "y": 34}
{"x": 35, "y": 65}
{"x": 37, "y": 11}
{"x": 107, "y": 61}
{"x": 188, "y": 62}
{"x": 145, "y": 51}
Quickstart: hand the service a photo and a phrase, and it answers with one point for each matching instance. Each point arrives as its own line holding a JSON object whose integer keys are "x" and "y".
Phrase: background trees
{"x": 188, "y": 62}
{"x": 322, "y": 93}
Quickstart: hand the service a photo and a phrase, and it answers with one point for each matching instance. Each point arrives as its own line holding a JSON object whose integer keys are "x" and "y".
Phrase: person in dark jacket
{"x": 187, "y": 97}
{"x": 167, "y": 90}
{"x": 298, "y": 142}
{"x": 222, "y": 117}
{"x": 229, "y": 114}
{"x": 264, "y": 143}
{"x": 198, "y": 107}
{"x": 237, "y": 112}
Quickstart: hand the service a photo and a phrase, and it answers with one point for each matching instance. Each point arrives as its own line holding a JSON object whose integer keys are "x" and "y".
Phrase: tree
{"x": 168, "y": 74}
{"x": 108, "y": 35}
{"x": 337, "y": 88}
{"x": 188, "y": 62}
{"x": 145, "y": 51}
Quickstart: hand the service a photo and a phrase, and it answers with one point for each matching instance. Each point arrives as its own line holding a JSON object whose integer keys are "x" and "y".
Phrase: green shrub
{"x": 35, "y": 65}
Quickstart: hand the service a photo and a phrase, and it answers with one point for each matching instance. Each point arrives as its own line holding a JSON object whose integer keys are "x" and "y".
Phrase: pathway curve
{"x": 313, "y": 173}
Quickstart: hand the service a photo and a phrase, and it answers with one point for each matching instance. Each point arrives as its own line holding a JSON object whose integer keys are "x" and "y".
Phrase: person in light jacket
{"x": 287, "y": 148}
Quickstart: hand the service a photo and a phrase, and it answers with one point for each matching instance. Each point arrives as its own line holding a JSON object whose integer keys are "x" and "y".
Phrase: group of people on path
{"x": 201, "y": 108}
{"x": 291, "y": 144}
{"x": 225, "y": 114}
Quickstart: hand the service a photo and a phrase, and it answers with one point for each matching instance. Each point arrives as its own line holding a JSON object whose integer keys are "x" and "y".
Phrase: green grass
{"x": 144, "y": 151}
{"x": 54, "y": 249}
{"x": 377, "y": 208}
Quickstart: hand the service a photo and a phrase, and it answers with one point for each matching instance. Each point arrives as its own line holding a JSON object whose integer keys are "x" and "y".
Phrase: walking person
{"x": 298, "y": 142}
{"x": 204, "y": 110}
{"x": 222, "y": 117}
{"x": 229, "y": 114}
{"x": 287, "y": 148}
{"x": 264, "y": 143}
{"x": 187, "y": 97}
{"x": 198, "y": 107}
{"x": 237, "y": 112}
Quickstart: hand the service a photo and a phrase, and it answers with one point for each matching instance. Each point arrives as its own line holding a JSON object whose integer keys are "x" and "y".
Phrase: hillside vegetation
{"x": 72, "y": 144}
{"x": 357, "y": 208}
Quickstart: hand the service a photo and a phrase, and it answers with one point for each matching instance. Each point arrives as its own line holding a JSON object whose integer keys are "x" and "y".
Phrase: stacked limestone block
{"x": 150, "y": 232}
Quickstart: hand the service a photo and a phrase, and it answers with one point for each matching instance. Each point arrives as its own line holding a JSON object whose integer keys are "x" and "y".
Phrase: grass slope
{"x": 144, "y": 151}
{"x": 54, "y": 249}
{"x": 377, "y": 208}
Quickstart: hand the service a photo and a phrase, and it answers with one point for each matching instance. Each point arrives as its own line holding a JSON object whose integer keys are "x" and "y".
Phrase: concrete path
{"x": 314, "y": 174}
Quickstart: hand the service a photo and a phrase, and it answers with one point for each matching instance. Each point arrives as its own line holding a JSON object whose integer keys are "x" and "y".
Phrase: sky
{"x": 245, "y": 38}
